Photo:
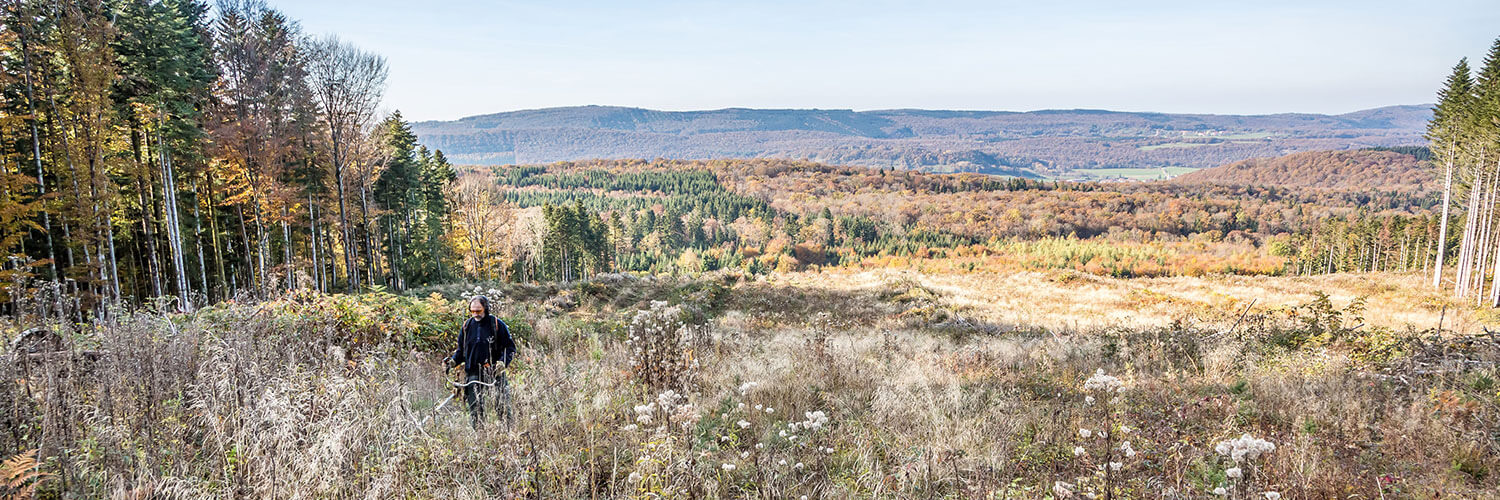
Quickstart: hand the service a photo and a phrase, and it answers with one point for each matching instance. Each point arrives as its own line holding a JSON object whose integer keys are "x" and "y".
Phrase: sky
{"x": 451, "y": 59}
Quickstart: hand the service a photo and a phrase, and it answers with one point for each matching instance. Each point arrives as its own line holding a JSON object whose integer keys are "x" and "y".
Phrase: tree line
{"x": 175, "y": 149}
{"x": 1465, "y": 140}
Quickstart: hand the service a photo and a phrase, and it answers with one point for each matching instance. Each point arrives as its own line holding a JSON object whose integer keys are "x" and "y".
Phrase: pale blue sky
{"x": 455, "y": 59}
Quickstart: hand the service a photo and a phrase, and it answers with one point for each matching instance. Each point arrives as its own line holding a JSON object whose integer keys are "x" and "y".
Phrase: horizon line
{"x": 877, "y": 110}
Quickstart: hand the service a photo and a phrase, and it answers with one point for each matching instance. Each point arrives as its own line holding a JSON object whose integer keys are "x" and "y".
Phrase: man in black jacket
{"x": 484, "y": 346}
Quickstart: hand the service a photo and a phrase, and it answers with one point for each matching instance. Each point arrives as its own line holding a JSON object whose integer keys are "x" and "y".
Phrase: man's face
{"x": 475, "y": 309}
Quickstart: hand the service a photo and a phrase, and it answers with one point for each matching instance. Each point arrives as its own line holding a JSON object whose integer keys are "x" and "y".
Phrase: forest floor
{"x": 877, "y": 384}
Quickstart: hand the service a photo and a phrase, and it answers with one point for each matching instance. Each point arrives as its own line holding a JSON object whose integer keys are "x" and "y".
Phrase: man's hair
{"x": 483, "y": 302}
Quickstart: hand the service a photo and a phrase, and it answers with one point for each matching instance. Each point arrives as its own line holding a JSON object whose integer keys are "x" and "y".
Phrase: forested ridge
{"x": 1374, "y": 169}
{"x": 1049, "y": 143}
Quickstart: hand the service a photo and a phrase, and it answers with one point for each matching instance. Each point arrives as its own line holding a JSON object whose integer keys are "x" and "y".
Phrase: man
{"x": 484, "y": 345}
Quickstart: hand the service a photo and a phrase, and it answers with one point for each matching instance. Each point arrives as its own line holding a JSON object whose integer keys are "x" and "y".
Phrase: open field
{"x": 857, "y": 384}
{"x": 1073, "y": 301}
{"x": 1169, "y": 145}
{"x": 1134, "y": 173}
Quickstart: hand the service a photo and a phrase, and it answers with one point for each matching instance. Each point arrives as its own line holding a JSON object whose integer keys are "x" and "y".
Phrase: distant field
{"x": 1240, "y": 138}
{"x": 1174, "y": 145}
{"x": 1140, "y": 174}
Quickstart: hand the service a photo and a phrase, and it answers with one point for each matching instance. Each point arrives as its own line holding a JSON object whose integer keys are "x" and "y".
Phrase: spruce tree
{"x": 1449, "y": 119}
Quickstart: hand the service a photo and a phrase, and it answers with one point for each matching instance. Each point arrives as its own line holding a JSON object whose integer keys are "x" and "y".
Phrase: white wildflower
{"x": 1220, "y": 491}
{"x": 1234, "y": 473}
{"x": 635, "y": 478}
{"x": 1271, "y": 495}
{"x": 630, "y": 427}
{"x": 760, "y": 446}
{"x": 799, "y": 466}
{"x": 728, "y": 467}
{"x": 743, "y": 424}
{"x": 1085, "y": 433}
{"x": 1078, "y": 451}
{"x": 1244, "y": 447}
{"x": 770, "y": 410}
{"x": 1062, "y": 490}
{"x": 1115, "y": 466}
{"x": 1102, "y": 382}
{"x": 744, "y": 454}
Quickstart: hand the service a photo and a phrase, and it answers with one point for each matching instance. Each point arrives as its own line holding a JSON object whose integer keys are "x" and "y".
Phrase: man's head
{"x": 479, "y": 306}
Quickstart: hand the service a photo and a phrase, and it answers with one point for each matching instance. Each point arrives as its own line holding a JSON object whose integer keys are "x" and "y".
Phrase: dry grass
{"x": 1065, "y": 300}
{"x": 954, "y": 386}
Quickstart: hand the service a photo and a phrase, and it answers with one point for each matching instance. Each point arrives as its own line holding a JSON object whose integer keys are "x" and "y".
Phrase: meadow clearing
{"x": 874, "y": 384}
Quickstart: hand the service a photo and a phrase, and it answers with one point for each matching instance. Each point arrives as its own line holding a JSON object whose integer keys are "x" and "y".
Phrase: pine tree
{"x": 1448, "y": 120}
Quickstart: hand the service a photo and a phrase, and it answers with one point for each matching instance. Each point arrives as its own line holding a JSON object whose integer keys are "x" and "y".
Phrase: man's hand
{"x": 448, "y": 363}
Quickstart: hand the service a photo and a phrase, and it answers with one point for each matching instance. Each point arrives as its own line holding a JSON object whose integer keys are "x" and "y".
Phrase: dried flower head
{"x": 1105, "y": 383}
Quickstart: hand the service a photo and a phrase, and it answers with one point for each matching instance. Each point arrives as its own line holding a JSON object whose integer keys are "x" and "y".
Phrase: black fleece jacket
{"x": 484, "y": 340}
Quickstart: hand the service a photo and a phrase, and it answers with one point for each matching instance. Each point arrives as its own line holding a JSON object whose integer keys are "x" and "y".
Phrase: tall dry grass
{"x": 756, "y": 389}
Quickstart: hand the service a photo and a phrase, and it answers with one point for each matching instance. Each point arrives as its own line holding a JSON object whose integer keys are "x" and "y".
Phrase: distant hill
{"x": 1034, "y": 144}
{"x": 1401, "y": 169}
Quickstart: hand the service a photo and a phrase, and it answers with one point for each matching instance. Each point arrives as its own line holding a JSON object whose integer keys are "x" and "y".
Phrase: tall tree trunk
{"x": 148, "y": 214}
{"x": 372, "y": 265}
{"x": 245, "y": 263}
{"x": 1470, "y": 216}
{"x": 351, "y": 270}
{"x": 213, "y": 230}
{"x": 174, "y": 226}
{"x": 286, "y": 249}
{"x": 312, "y": 242}
{"x": 198, "y": 245}
{"x": 36, "y": 148}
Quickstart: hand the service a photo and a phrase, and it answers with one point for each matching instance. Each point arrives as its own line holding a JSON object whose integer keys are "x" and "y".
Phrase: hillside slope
{"x": 1037, "y": 143}
{"x": 1364, "y": 169}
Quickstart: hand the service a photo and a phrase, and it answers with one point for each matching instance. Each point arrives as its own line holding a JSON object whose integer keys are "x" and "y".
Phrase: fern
{"x": 20, "y": 474}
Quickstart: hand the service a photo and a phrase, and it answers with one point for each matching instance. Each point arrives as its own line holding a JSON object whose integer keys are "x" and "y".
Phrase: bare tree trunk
{"x": 239, "y": 211}
{"x": 1487, "y": 213}
{"x": 198, "y": 244}
{"x": 351, "y": 270}
{"x": 213, "y": 228}
{"x": 1437, "y": 269}
{"x": 148, "y": 214}
{"x": 174, "y": 227}
{"x": 1464, "y": 249}
{"x": 36, "y": 150}
{"x": 312, "y": 242}
{"x": 286, "y": 249}
{"x": 372, "y": 264}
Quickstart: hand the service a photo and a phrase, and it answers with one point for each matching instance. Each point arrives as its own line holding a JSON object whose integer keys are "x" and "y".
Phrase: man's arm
{"x": 458, "y": 354}
{"x": 507, "y": 344}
